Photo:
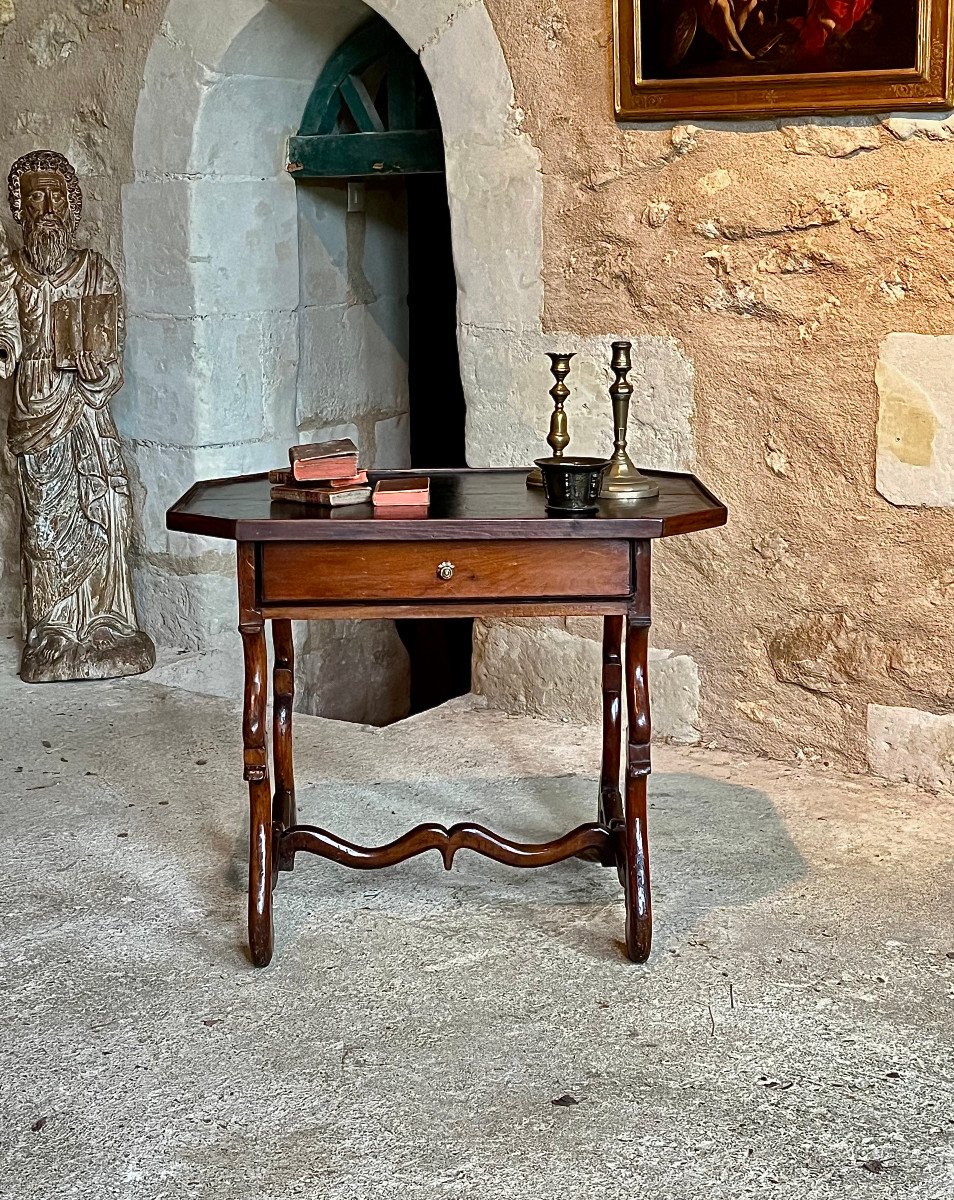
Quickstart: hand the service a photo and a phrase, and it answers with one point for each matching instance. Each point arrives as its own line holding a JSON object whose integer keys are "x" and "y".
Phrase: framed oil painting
{"x": 678, "y": 59}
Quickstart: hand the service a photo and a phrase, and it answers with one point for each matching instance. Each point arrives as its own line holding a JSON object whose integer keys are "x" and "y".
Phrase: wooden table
{"x": 486, "y": 548}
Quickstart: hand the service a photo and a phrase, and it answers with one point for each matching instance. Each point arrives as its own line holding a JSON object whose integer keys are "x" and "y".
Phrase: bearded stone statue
{"x": 62, "y": 329}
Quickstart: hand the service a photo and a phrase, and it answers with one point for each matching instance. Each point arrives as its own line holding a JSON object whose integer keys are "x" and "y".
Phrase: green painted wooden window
{"x": 371, "y": 113}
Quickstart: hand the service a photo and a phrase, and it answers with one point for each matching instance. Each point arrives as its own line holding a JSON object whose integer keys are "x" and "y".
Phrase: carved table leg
{"x": 284, "y": 813}
{"x": 611, "y": 804}
{"x": 639, "y": 917}
{"x": 254, "y": 726}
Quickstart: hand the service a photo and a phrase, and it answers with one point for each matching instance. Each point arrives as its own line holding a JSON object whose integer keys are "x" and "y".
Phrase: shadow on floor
{"x": 713, "y": 845}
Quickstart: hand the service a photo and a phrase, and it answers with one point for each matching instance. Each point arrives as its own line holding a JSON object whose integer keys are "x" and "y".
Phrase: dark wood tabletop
{"x": 480, "y": 503}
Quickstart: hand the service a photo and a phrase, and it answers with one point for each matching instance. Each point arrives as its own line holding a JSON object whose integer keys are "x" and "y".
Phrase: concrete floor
{"x": 790, "y": 1037}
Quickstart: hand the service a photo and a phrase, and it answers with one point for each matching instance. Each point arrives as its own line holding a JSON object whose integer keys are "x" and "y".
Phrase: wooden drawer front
{"x": 304, "y": 571}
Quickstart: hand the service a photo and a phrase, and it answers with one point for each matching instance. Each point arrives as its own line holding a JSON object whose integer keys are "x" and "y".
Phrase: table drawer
{"x": 356, "y": 571}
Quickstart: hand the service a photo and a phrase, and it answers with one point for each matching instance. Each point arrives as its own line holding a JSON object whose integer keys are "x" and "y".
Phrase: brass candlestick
{"x": 557, "y": 439}
{"x": 623, "y": 481}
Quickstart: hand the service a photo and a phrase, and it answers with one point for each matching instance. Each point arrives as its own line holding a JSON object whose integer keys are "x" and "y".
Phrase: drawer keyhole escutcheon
{"x": 445, "y": 571}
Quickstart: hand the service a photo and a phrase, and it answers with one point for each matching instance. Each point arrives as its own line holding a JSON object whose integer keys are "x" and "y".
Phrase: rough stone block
{"x": 385, "y": 243}
{"x": 244, "y": 124}
{"x": 418, "y": 24}
{"x": 287, "y": 41}
{"x": 353, "y": 671}
{"x": 907, "y": 745}
{"x": 215, "y": 670}
{"x": 186, "y": 611}
{"x": 197, "y": 381}
{"x": 323, "y": 244}
{"x": 211, "y": 246}
{"x": 544, "y": 671}
{"x": 350, "y": 367}
{"x": 392, "y": 443}
{"x": 829, "y": 653}
{"x": 674, "y": 697}
{"x": 333, "y": 433}
{"x": 916, "y": 420}
{"x": 164, "y": 473}
{"x": 82, "y": 135}
{"x": 847, "y": 137}
{"x": 932, "y": 127}
{"x": 54, "y": 39}
{"x": 496, "y": 201}
{"x": 477, "y": 108}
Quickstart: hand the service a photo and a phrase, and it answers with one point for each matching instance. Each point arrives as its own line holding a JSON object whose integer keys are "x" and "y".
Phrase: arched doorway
{"x": 229, "y": 282}
{"x": 371, "y": 125}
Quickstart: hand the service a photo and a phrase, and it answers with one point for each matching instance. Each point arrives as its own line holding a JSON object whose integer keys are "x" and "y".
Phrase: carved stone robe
{"x": 73, "y": 485}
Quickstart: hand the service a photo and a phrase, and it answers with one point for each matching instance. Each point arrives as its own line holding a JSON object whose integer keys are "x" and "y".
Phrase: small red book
{"x": 323, "y": 461}
{"x": 394, "y": 493}
{"x": 324, "y": 470}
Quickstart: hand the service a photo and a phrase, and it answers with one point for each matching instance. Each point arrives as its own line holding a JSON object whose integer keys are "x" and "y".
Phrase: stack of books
{"x": 324, "y": 473}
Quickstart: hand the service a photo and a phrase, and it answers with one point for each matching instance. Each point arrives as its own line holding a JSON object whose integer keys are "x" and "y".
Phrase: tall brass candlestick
{"x": 558, "y": 438}
{"x": 623, "y": 481}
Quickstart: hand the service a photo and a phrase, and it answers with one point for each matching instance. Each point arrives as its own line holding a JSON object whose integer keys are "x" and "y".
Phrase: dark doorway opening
{"x": 440, "y": 651}
{"x": 372, "y": 116}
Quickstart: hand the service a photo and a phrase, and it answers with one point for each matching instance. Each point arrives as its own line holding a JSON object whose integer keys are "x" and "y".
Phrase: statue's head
{"x": 46, "y": 200}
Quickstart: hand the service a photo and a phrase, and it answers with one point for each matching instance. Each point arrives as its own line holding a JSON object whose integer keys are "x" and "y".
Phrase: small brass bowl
{"x": 572, "y": 485}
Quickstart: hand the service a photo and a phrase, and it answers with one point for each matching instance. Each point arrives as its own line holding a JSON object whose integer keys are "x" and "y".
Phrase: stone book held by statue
{"x": 85, "y": 325}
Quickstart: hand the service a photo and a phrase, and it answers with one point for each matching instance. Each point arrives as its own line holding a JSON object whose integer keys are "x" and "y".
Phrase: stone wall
{"x": 783, "y": 258}
{"x": 786, "y": 283}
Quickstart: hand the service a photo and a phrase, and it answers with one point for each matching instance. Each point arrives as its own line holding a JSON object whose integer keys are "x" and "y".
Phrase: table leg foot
{"x": 261, "y": 876}
{"x": 634, "y": 847}
{"x": 634, "y": 872}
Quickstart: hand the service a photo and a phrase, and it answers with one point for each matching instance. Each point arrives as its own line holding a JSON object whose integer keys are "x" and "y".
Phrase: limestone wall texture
{"x": 790, "y": 289}
{"x": 783, "y": 258}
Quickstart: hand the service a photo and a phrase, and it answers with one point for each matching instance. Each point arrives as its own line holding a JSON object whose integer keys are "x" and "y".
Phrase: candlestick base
{"x": 535, "y": 478}
{"x": 625, "y": 482}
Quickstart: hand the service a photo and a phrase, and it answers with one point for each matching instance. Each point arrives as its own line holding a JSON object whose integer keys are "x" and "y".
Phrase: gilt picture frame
{"x": 697, "y": 59}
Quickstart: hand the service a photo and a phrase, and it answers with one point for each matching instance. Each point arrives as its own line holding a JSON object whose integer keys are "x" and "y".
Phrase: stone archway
{"x": 212, "y": 223}
{"x": 211, "y": 231}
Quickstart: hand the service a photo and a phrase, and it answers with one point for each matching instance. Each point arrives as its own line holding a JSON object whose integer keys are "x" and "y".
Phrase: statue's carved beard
{"x": 47, "y": 242}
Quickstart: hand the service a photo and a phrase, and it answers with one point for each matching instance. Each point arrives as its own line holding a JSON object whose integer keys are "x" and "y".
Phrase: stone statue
{"x": 62, "y": 328}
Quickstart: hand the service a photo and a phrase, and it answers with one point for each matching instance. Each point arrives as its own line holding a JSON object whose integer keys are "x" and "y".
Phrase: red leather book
{"x": 393, "y": 493}
{"x": 283, "y": 477}
{"x": 320, "y": 461}
{"x": 323, "y": 470}
{"x": 325, "y": 497}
